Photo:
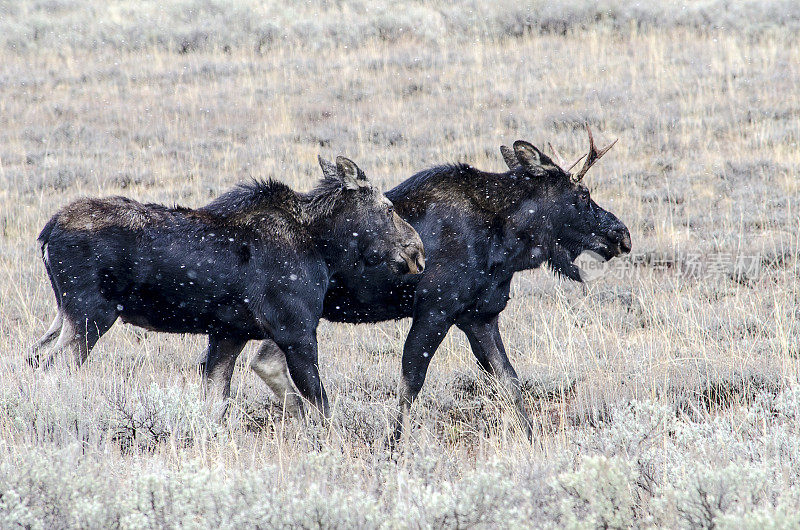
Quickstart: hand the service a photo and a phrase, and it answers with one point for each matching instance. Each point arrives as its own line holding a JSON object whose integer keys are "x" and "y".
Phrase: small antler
{"x": 560, "y": 159}
{"x": 593, "y": 155}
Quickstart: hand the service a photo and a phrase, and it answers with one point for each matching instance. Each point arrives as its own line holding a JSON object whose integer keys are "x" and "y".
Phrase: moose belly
{"x": 375, "y": 303}
{"x": 186, "y": 312}
{"x": 490, "y": 299}
{"x": 137, "y": 320}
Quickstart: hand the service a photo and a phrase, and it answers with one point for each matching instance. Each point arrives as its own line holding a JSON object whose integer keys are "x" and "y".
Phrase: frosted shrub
{"x": 632, "y": 430}
{"x": 157, "y": 501}
{"x": 786, "y": 404}
{"x": 761, "y": 519}
{"x": 145, "y": 418}
{"x": 315, "y": 493}
{"x": 199, "y": 25}
{"x": 598, "y": 494}
{"x": 481, "y": 499}
{"x": 45, "y": 491}
{"x": 37, "y": 413}
{"x": 318, "y": 508}
{"x": 16, "y": 512}
{"x": 706, "y": 494}
{"x": 419, "y": 21}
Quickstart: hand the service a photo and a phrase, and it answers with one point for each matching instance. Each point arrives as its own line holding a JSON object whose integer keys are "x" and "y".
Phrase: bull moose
{"x": 478, "y": 229}
{"x": 253, "y": 264}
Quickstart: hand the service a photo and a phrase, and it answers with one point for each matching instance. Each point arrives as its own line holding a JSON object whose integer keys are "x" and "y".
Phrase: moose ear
{"x": 509, "y": 157}
{"x": 328, "y": 168}
{"x": 529, "y": 156}
{"x": 351, "y": 176}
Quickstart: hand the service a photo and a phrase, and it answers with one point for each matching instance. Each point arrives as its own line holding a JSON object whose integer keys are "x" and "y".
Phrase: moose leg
{"x": 47, "y": 338}
{"x": 487, "y": 346}
{"x": 89, "y": 333}
{"x": 89, "y": 316}
{"x": 301, "y": 359}
{"x": 422, "y": 342}
{"x": 65, "y": 338}
{"x": 79, "y": 334}
{"x": 218, "y": 370}
{"x": 270, "y": 365}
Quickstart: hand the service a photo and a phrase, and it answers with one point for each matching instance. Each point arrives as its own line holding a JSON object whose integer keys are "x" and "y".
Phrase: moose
{"x": 253, "y": 264}
{"x": 478, "y": 229}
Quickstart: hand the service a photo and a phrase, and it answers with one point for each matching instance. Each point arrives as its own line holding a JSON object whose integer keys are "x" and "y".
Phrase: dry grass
{"x": 706, "y": 164}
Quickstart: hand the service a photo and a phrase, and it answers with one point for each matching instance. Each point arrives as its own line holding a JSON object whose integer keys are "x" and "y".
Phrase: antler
{"x": 560, "y": 159}
{"x": 593, "y": 156}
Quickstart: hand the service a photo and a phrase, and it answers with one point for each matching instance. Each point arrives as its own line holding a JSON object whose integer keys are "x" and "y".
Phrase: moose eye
{"x": 389, "y": 210}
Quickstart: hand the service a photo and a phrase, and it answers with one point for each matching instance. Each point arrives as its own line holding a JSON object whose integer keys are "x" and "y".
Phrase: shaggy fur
{"x": 253, "y": 264}
{"x": 478, "y": 229}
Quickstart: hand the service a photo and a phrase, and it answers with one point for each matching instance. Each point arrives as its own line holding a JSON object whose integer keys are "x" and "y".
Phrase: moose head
{"x": 560, "y": 209}
{"x": 366, "y": 218}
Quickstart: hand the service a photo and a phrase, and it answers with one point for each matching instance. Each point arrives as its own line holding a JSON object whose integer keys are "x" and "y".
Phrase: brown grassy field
{"x": 666, "y": 392}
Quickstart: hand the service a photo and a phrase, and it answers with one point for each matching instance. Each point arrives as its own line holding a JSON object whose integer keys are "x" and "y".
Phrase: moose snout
{"x": 413, "y": 255}
{"x": 622, "y": 237}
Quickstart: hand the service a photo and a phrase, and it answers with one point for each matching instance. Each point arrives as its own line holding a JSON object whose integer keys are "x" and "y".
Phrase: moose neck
{"x": 339, "y": 249}
{"x": 529, "y": 245}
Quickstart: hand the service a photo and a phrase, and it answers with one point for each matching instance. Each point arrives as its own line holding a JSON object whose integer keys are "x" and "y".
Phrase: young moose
{"x": 478, "y": 229}
{"x": 253, "y": 264}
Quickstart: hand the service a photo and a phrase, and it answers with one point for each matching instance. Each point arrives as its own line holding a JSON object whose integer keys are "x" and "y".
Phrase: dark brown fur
{"x": 479, "y": 229}
{"x": 253, "y": 264}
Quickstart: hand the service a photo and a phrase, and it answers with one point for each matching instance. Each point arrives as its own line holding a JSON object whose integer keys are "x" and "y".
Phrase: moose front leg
{"x": 217, "y": 371}
{"x": 487, "y": 346}
{"x": 301, "y": 359}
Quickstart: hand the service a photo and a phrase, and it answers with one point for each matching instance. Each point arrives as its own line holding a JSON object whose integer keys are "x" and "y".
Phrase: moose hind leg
{"x": 487, "y": 346}
{"x": 217, "y": 373}
{"x": 65, "y": 339}
{"x": 270, "y": 365}
{"x": 79, "y": 336}
{"x": 48, "y": 337}
{"x": 82, "y": 326}
{"x": 89, "y": 321}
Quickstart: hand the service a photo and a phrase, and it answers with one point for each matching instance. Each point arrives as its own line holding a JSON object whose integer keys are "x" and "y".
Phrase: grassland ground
{"x": 666, "y": 391}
